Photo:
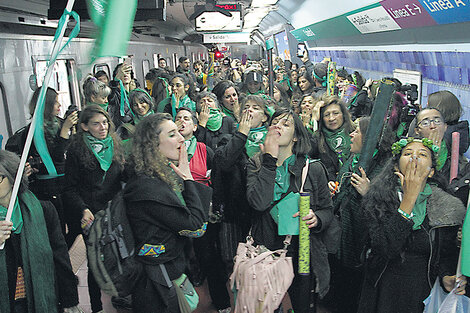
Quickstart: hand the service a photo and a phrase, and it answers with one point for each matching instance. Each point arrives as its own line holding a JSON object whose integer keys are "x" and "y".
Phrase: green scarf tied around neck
{"x": 419, "y": 210}
{"x": 16, "y": 216}
{"x": 442, "y": 156}
{"x": 37, "y": 258}
{"x": 103, "y": 106}
{"x": 255, "y": 138}
{"x": 228, "y": 112}
{"x": 338, "y": 141}
{"x": 137, "y": 118}
{"x": 215, "y": 120}
{"x": 184, "y": 102}
{"x": 51, "y": 127}
{"x": 103, "y": 149}
{"x": 191, "y": 147}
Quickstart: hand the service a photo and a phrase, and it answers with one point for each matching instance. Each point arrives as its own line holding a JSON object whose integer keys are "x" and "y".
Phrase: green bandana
{"x": 282, "y": 212}
{"x": 124, "y": 99}
{"x": 419, "y": 210}
{"x": 282, "y": 178}
{"x": 37, "y": 258}
{"x": 339, "y": 142}
{"x": 442, "y": 156}
{"x": 184, "y": 102}
{"x": 255, "y": 138}
{"x": 16, "y": 216}
{"x": 137, "y": 118}
{"x": 52, "y": 127}
{"x": 191, "y": 147}
{"x": 102, "y": 149}
{"x": 104, "y": 106}
{"x": 215, "y": 120}
{"x": 228, "y": 112}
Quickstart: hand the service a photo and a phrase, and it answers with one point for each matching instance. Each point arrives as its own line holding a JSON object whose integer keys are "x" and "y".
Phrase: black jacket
{"x": 212, "y": 138}
{"x": 114, "y": 106}
{"x": 260, "y": 193}
{"x": 89, "y": 188}
{"x": 328, "y": 158}
{"x": 396, "y": 248}
{"x": 157, "y": 217}
{"x": 360, "y": 105}
{"x": 66, "y": 281}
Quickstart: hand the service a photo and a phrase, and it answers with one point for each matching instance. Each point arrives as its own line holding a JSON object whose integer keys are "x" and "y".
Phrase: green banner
{"x": 114, "y": 20}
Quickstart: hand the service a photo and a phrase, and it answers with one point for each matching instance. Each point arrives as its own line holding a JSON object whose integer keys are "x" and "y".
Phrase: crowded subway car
{"x": 234, "y": 156}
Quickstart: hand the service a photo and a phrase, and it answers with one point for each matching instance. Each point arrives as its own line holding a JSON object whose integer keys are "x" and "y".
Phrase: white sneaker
{"x": 227, "y": 310}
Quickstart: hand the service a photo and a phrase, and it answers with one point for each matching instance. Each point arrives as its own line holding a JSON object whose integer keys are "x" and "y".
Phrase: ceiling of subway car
{"x": 268, "y": 16}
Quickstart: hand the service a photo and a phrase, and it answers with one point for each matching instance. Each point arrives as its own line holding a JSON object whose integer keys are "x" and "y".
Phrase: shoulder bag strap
{"x": 165, "y": 275}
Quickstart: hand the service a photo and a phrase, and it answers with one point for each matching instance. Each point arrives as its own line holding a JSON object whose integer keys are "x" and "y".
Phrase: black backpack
{"x": 111, "y": 250}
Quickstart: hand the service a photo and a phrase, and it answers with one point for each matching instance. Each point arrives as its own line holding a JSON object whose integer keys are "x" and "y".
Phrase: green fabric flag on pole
{"x": 114, "y": 20}
{"x": 465, "y": 248}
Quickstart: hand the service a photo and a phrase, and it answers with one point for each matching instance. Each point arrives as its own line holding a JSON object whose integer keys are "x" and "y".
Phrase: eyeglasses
{"x": 427, "y": 122}
{"x": 2, "y": 177}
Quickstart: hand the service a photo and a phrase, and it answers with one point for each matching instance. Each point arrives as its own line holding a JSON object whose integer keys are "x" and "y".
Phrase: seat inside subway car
{"x": 333, "y": 133}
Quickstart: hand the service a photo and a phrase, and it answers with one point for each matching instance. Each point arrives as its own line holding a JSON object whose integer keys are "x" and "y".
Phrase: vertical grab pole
{"x": 454, "y": 159}
{"x": 29, "y": 138}
{"x": 269, "y": 50}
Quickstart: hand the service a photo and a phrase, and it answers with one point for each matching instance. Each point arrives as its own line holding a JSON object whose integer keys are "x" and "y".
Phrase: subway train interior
{"x": 422, "y": 43}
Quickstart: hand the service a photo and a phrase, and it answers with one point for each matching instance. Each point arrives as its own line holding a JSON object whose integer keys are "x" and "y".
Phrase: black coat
{"x": 329, "y": 158}
{"x": 260, "y": 193}
{"x": 403, "y": 263}
{"x": 158, "y": 217}
{"x": 362, "y": 105}
{"x": 212, "y": 138}
{"x": 66, "y": 281}
{"x": 89, "y": 188}
{"x": 114, "y": 106}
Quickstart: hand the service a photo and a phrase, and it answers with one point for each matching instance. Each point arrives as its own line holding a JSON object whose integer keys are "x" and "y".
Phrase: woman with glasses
{"x": 431, "y": 124}
{"x": 93, "y": 175}
{"x": 35, "y": 270}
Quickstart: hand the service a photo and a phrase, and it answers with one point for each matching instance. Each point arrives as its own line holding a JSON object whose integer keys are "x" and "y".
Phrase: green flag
{"x": 465, "y": 249}
{"x": 114, "y": 19}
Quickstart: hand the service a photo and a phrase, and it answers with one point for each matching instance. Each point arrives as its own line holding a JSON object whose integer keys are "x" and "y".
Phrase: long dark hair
{"x": 308, "y": 76}
{"x": 221, "y": 87}
{"x": 382, "y": 195}
{"x": 347, "y": 122}
{"x": 79, "y": 145}
{"x": 302, "y": 146}
{"x": 50, "y": 99}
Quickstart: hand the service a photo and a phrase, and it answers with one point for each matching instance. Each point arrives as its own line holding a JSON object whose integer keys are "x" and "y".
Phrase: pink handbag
{"x": 260, "y": 277}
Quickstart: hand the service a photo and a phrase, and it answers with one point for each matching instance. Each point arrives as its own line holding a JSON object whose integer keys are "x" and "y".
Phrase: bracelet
{"x": 404, "y": 214}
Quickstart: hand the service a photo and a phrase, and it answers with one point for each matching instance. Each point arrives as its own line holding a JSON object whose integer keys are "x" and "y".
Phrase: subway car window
{"x": 145, "y": 69}
{"x": 102, "y": 67}
{"x": 5, "y": 122}
{"x": 59, "y": 81}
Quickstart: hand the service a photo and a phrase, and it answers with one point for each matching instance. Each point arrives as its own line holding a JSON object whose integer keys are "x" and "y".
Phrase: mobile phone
{"x": 301, "y": 48}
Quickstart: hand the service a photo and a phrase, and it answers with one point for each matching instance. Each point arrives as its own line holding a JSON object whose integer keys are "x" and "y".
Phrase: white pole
{"x": 29, "y": 138}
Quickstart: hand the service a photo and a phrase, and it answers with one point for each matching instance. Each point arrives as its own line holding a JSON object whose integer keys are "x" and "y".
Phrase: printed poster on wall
{"x": 373, "y": 21}
{"x": 408, "y": 13}
{"x": 282, "y": 45}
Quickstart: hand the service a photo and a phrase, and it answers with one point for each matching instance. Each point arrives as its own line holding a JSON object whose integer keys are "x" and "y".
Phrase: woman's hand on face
{"x": 449, "y": 284}
{"x": 182, "y": 170}
{"x": 5, "y": 230}
{"x": 310, "y": 219}
{"x": 124, "y": 70}
{"x": 204, "y": 115}
{"x": 413, "y": 179}
{"x": 361, "y": 183}
{"x": 271, "y": 142}
{"x": 436, "y": 136}
{"x": 245, "y": 123}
